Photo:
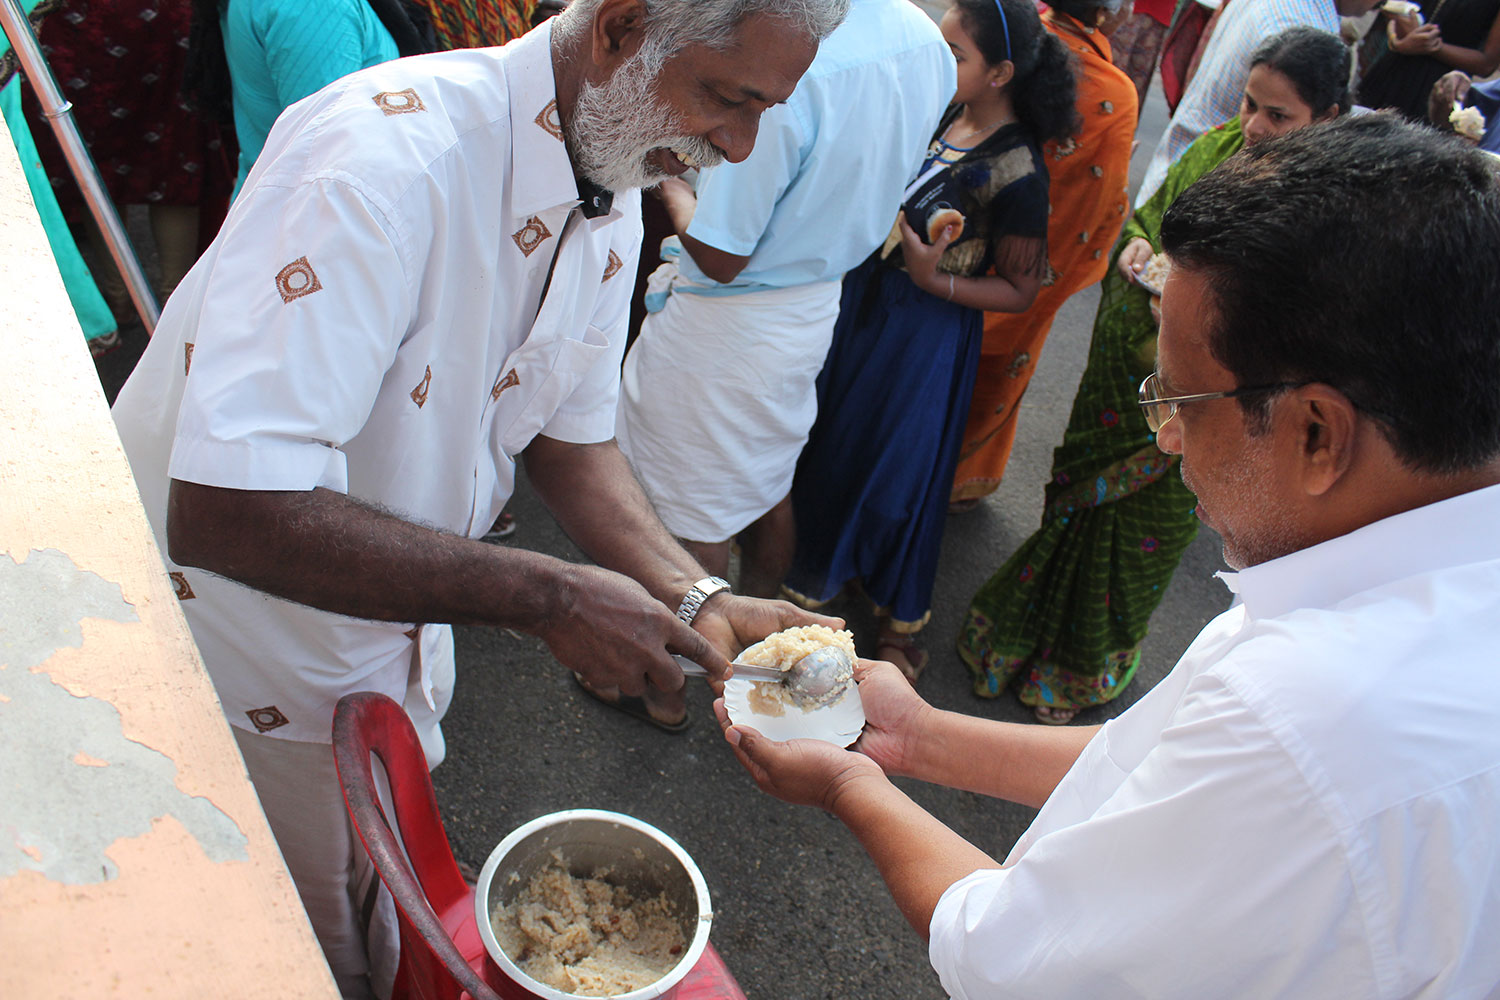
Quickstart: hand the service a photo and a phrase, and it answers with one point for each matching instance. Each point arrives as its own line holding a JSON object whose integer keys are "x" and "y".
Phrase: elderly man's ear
{"x": 1329, "y": 429}
{"x": 616, "y": 32}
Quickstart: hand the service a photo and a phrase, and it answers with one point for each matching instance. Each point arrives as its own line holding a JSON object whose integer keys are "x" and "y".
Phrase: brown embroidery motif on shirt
{"x": 266, "y": 719}
{"x": 550, "y": 120}
{"x": 531, "y": 235}
{"x": 296, "y": 280}
{"x": 419, "y": 394}
{"x": 181, "y": 588}
{"x": 399, "y": 102}
{"x": 613, "y": 267}
{"x": 507, "y": 380}
{"x": 187, "y": 358}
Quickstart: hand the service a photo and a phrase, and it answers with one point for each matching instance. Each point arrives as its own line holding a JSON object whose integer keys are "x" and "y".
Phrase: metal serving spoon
{"x": 817, "y": 679}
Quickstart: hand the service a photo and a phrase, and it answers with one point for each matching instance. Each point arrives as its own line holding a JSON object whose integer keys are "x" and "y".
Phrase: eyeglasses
{"x": 1159, "y": 409}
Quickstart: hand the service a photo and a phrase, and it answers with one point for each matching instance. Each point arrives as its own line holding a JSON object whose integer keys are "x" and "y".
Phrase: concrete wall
{"x": 134, "y": 857}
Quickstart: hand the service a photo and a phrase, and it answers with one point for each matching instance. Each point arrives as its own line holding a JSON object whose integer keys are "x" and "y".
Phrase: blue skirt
{"x": 871, "y": 491}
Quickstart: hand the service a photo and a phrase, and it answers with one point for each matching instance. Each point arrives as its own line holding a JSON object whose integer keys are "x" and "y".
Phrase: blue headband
{"x": 1004, "y": 27}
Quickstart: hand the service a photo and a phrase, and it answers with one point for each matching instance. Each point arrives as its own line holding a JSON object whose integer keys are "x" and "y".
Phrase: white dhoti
{"x": 716, "y": 401}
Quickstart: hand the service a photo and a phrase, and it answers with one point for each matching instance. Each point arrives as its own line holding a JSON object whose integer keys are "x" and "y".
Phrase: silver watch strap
{"x": 697, "y": 594}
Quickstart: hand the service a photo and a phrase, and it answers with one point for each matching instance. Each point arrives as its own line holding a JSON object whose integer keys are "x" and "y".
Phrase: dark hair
{"x": 1316, "y": 61}
{"x": 1044, "y": 86}
{"x": 1083, "y": 10}
{"x": 205, "y": 74}
{"x": 1359, "y": 253}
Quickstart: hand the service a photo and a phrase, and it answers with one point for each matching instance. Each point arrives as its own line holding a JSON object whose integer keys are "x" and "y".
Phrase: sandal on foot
{"x": 1049, "y": 716}
{"x": 635, "y": 707}
{"x": 504, "y": 527}
{"x": 915, "y": 657}
{"x": 100, "y": 346}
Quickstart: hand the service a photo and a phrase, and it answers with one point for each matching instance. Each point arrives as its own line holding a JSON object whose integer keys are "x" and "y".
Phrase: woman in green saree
{"x": 1064, "y": 618}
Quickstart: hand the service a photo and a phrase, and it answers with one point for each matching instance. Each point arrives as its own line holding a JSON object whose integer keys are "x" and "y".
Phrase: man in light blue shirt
{"x": 718, "y": 392}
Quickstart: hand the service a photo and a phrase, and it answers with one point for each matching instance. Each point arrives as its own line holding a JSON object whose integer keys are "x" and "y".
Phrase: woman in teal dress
{"x": 95, "y": 319}
{"x": 1064, "y": 618}
{"x": 277, "y": 52}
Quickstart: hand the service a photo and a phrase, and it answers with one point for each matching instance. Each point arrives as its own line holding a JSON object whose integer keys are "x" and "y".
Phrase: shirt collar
{"x": 541, "y": 172}
{"x": 1453, "y": 532}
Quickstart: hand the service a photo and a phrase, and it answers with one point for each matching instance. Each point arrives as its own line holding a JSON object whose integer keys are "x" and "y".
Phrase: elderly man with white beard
{"x": 427, "y": 276}
{"x": 736, "y": 346}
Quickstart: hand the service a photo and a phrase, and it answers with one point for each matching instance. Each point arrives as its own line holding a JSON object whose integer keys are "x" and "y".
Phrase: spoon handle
{"x": 745, "y": 671}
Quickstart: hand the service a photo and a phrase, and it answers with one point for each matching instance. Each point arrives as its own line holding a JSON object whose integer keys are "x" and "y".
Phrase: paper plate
{"x": 839, "y": 723}
{"x": 1148, "y": 286}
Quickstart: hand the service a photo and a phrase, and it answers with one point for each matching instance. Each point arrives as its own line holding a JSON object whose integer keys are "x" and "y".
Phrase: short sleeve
{"x": 1020, "y": 209}
{"x": 298, "y": 324}
{"x": 1018, "y": 214}
{"x": 736, "y": 200}
{"x": 1209, "y": 857}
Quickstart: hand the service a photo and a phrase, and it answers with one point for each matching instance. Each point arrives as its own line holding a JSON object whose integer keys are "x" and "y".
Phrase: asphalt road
{"x": 799, "y": 909}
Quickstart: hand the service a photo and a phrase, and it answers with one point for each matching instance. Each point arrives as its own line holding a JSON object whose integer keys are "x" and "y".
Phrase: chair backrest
{"x": 432, "y": 966}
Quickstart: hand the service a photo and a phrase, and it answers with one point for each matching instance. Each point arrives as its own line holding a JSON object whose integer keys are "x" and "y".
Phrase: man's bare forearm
{"x": 918, "y": 856}
{"x": 1019, "y": 763}
{"x": 325, "y": 550}
{"x": 720, "y": 265}
{"x": 595, "y": 497}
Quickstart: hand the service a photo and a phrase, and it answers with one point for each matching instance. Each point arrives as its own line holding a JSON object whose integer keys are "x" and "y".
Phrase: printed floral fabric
{"x": 1063, "y": 619}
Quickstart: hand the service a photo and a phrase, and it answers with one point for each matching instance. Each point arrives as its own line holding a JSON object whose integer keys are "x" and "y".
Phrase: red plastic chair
{"x": 440, "y": 944}
{"x": 442, "y": 955}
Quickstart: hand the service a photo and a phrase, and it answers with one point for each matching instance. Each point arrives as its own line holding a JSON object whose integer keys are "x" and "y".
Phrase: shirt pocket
{"x": 534, "y": 383}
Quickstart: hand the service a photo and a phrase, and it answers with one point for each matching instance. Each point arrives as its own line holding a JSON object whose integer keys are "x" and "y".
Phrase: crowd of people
{"x": 415, "y": 275}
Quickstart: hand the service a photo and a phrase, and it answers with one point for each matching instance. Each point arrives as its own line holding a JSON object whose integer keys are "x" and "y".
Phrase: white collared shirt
{"x": 367, "y": 321}
{"x": 1307, "y": 806}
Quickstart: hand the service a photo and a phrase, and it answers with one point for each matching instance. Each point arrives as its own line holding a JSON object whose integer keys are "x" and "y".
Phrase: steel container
{"x": 638, "y": 857}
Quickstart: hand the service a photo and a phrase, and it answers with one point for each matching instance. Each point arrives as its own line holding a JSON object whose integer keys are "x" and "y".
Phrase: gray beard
{"x": 615, "y": 124}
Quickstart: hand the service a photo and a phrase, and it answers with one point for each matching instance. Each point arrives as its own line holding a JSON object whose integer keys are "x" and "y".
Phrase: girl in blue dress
{"x": 871, "y": 490}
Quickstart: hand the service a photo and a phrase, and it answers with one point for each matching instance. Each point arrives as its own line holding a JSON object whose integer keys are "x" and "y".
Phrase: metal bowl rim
{"x": 684, "y": 965}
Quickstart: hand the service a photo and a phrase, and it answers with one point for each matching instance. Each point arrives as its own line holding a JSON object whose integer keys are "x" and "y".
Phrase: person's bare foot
{"x": 1050, "y": 716}
{"x": 644, "y": 708}
{"x": 902, "y": 651}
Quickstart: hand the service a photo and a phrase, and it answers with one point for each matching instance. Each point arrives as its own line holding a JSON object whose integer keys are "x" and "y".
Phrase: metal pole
{"x": 59, "y": 113}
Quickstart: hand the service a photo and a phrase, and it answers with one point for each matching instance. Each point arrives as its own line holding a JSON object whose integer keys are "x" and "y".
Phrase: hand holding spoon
{"x": 816, "y": 679}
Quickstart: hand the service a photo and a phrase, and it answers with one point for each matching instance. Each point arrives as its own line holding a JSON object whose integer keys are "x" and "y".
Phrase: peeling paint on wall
{"x": 71, "y": 784}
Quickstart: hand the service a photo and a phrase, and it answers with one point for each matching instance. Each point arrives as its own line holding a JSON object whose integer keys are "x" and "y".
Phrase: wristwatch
{"x": 697, "y": 594}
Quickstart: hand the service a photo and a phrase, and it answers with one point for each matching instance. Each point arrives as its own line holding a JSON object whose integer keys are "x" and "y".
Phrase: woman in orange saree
{"x": 1088, "y": 177}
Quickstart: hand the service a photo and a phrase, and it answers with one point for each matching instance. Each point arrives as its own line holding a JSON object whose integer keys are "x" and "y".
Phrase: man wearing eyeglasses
{"x": 1309, "y": 804}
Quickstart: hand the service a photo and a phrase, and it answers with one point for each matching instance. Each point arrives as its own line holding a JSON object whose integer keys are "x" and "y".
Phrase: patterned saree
{"x": 1065, "y": 616}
